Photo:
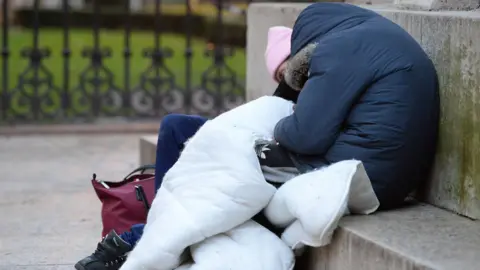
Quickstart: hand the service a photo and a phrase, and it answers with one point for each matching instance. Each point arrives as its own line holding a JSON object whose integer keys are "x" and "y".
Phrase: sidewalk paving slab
{"x": 50, "y": 213}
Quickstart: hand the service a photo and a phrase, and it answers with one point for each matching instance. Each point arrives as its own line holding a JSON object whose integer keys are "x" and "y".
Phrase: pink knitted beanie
{"x": 278, "y": 47}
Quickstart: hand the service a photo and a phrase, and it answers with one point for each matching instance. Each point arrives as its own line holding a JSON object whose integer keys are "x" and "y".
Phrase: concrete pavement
{"x": 49, "y": 213}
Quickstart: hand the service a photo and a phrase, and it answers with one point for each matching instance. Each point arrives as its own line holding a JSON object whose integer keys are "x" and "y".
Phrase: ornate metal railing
{"x": 38, "y": 97}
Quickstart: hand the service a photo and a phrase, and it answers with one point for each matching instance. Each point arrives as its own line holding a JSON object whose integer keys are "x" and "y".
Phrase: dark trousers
{"x": 175, "y": 130}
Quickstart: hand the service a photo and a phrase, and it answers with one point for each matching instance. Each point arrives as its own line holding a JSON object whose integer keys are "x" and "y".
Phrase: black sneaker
{"x": 109, "y": 255}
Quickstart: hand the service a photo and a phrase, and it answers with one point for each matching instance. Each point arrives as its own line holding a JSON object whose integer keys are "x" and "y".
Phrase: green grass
{"x": 79, "y": 39}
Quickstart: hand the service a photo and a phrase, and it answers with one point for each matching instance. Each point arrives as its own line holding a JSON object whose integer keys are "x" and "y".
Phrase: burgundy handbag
{"x": 127, "y": 202}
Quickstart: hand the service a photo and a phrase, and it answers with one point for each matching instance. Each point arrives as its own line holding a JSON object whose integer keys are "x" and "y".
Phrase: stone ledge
{"x": 148, "y": 149}
{"x": 438, "y": 4}
{"x": 416, "y": 237}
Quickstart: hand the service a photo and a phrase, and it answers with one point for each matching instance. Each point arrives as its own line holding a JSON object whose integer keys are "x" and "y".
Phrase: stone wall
{"x": 451, "y": 39}
{"x": 438, "y": 4}
{"x": 369, "y": 2}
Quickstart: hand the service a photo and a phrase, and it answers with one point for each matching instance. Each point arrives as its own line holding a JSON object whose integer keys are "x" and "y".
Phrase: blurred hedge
{"x": 203, "y": 21}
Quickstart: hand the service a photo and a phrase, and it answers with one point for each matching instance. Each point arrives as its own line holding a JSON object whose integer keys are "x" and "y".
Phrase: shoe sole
{"x": 78, "y": 266}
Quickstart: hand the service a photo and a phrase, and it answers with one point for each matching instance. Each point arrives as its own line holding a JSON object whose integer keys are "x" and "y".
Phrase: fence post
{"x": 188, "y": 57}
{"x": 66, "y": 59}
{"x": 5, "y": 56}
{"x": 127, "y": 53}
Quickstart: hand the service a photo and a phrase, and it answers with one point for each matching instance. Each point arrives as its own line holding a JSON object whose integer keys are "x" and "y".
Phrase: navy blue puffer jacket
{"x": 369, "y": 92}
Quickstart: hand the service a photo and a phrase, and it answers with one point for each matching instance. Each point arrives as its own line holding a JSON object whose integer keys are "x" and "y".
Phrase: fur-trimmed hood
{"x": 296, "y": 72}
{"x": 313, "y": 23}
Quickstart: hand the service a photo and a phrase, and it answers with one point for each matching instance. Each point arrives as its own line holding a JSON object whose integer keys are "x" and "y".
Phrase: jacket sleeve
{"x": 336, "y": 81}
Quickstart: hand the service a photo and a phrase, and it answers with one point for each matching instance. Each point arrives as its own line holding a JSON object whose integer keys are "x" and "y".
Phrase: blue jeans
{"x": 175, "y": 130}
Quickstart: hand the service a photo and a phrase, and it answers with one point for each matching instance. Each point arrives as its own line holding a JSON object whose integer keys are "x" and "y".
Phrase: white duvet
{"x": 200, "y": 217}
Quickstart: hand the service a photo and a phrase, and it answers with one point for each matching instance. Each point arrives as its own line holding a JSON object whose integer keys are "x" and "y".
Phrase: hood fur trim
{"x": 296, "y": 72}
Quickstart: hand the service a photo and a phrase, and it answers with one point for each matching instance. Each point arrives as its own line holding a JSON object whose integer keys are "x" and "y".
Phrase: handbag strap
{"x": 141, "y": 169}
{"x": 142, "y": 197}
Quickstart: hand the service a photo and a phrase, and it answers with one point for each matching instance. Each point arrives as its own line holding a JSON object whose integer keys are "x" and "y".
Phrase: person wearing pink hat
{"x": 277, "y": 54}
{"x": 175, "y": 130}
{"x": 277, "y": 51}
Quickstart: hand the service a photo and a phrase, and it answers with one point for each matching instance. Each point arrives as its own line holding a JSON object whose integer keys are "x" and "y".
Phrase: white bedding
{"x": 200, "y": 218}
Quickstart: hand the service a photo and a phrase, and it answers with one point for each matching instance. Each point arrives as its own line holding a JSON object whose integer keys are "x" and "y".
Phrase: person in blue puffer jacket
{"x": 368, "y": 92}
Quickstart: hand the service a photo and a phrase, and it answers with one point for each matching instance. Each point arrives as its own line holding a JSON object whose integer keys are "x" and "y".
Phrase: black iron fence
{"x": 86, "y": 86}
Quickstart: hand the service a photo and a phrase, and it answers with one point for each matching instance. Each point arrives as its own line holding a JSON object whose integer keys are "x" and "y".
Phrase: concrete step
{"x": 419, "y": 236}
